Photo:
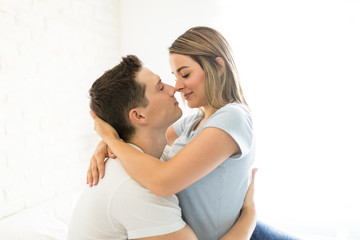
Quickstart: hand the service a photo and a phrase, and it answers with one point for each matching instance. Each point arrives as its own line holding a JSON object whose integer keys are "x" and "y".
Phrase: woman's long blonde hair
{"x": 204, "y": 45}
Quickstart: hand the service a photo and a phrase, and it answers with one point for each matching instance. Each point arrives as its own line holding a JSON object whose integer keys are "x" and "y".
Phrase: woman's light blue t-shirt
{"x": 212, "y": 205}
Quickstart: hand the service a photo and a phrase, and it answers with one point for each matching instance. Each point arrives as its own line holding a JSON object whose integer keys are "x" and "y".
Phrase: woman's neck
{"x": 208, "y": 111}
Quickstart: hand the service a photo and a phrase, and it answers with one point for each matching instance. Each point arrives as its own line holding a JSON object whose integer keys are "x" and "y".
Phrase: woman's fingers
{"x": 110, "y": 153}
{"x": 94, "y": 172}
{"x": 97, "y": 164}
{"x": 92, "y": 114}
{"x": 89, "y": 178}
{"x": 100, "y": 164}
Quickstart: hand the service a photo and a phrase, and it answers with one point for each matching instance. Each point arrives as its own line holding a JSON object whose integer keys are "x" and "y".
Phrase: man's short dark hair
{"x": 116, "y": 92}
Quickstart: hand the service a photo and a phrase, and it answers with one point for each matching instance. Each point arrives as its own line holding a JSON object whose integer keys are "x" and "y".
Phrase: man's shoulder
{"x": 115, "y": 176}
{"x": 114, "y": 169}
{"x": 120, "y": 182}
{"x": 118, "y": 186}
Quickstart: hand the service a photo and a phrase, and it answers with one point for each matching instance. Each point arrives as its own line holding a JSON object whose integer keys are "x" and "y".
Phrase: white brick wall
{"x": 50, "y": 53}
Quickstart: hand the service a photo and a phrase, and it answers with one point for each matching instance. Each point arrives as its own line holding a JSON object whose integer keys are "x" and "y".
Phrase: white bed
{"x": 48, "y": 220}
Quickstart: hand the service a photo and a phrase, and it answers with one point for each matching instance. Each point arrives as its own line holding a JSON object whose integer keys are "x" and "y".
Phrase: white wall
{"x": 50, "y": 53}
{"x": 299, "y": 62}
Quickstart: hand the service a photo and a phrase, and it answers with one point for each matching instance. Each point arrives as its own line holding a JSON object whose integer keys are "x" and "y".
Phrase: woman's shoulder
{"x": 233, "y": 109}
{"x": 236, "y": 105}
{"x": 232, "y": 115}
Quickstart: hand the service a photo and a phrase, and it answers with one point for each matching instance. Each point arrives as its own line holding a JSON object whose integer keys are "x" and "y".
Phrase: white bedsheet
{"x": 48, "y": 220}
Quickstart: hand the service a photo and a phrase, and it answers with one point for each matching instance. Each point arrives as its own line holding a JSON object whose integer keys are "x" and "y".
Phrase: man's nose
{"x": 171, "y": 90}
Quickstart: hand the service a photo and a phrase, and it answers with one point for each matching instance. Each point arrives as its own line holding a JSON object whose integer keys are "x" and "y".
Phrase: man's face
{"x": 163, "y": 109}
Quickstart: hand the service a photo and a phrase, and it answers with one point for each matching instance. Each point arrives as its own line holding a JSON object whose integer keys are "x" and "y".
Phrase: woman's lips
{"x": 186, "y": 96}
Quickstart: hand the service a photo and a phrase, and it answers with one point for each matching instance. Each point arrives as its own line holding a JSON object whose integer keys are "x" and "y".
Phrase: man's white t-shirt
{"x": 120, "y": 208}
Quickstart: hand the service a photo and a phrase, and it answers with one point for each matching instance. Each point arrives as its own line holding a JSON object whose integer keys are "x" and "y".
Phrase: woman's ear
{"x": 221, "y": 64}
{"x": 136, "y": 117}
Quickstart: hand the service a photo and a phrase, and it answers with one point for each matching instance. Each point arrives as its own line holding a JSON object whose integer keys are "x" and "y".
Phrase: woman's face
{"x": 190, "y": 78}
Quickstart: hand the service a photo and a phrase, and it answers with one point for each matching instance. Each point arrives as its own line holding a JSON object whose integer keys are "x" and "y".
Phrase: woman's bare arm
{"x": 97, "y": 162}
{"x": 198, "y": 158}
{"x": 171, "y": 135}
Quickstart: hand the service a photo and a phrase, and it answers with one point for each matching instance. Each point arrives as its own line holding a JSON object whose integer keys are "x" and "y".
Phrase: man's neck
{"x": 150, "y": 142}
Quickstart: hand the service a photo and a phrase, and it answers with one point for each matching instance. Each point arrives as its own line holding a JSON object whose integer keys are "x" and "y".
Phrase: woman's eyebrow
{"x": 181, "y": 68}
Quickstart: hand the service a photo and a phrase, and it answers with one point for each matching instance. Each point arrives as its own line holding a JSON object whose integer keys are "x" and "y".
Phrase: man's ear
{"x": 221, "y": 64}
{"x": 137, "y": 117}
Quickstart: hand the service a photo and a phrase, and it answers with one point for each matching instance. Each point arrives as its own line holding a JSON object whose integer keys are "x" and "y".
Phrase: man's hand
{"x": 245, "y": 225}
{"x": 249, "y": 201}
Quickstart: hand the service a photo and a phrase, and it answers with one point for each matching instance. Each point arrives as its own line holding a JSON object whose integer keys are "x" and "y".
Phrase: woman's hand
{"x": 245, "y": 225}
{"x": 249, "y": 201}
{"x": 102, "y": 151}
{"x": 102, "y": 128}
{"x": 97, "y": 163}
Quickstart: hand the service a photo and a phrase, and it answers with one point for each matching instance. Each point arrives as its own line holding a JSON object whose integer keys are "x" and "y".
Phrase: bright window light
{"x": 299, "y": 63}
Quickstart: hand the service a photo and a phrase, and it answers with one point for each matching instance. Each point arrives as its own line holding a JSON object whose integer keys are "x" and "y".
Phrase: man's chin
{"x": 177, "y": 117}
{"x": 180, "y": 114}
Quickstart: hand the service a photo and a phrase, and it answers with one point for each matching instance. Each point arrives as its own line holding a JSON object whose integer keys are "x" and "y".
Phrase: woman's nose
{"x": 179, "y": 85}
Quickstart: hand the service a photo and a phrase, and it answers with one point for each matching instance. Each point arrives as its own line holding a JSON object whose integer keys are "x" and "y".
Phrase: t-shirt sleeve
{"x": 165, "y": 156}
{"x": 144, "y": 214}
{"x": 235, "y": 120}
{"x": 179, "y": 126}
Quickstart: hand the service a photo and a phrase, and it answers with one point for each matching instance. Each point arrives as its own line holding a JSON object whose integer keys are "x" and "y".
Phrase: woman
{"x": 212, "y": 150}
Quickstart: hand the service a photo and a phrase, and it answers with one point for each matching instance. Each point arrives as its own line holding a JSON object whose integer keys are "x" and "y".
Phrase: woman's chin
{"x": 191, "y": 105}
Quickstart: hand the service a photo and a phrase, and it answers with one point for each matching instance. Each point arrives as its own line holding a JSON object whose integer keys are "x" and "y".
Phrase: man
{"x": 140, "y": 107}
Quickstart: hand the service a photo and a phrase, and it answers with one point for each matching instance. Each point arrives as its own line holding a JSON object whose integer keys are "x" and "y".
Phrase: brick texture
{"x": 50, "y": 53}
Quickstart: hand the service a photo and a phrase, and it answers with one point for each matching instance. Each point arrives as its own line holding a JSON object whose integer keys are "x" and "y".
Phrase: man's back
{"x": 120, "y": 208}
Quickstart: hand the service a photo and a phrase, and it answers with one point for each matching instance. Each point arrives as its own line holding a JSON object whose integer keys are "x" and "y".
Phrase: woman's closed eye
{"x": 186, "y": 75}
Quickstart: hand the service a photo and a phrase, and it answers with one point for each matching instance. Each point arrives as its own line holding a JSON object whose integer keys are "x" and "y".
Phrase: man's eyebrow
{"x": 181, "y": 68}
